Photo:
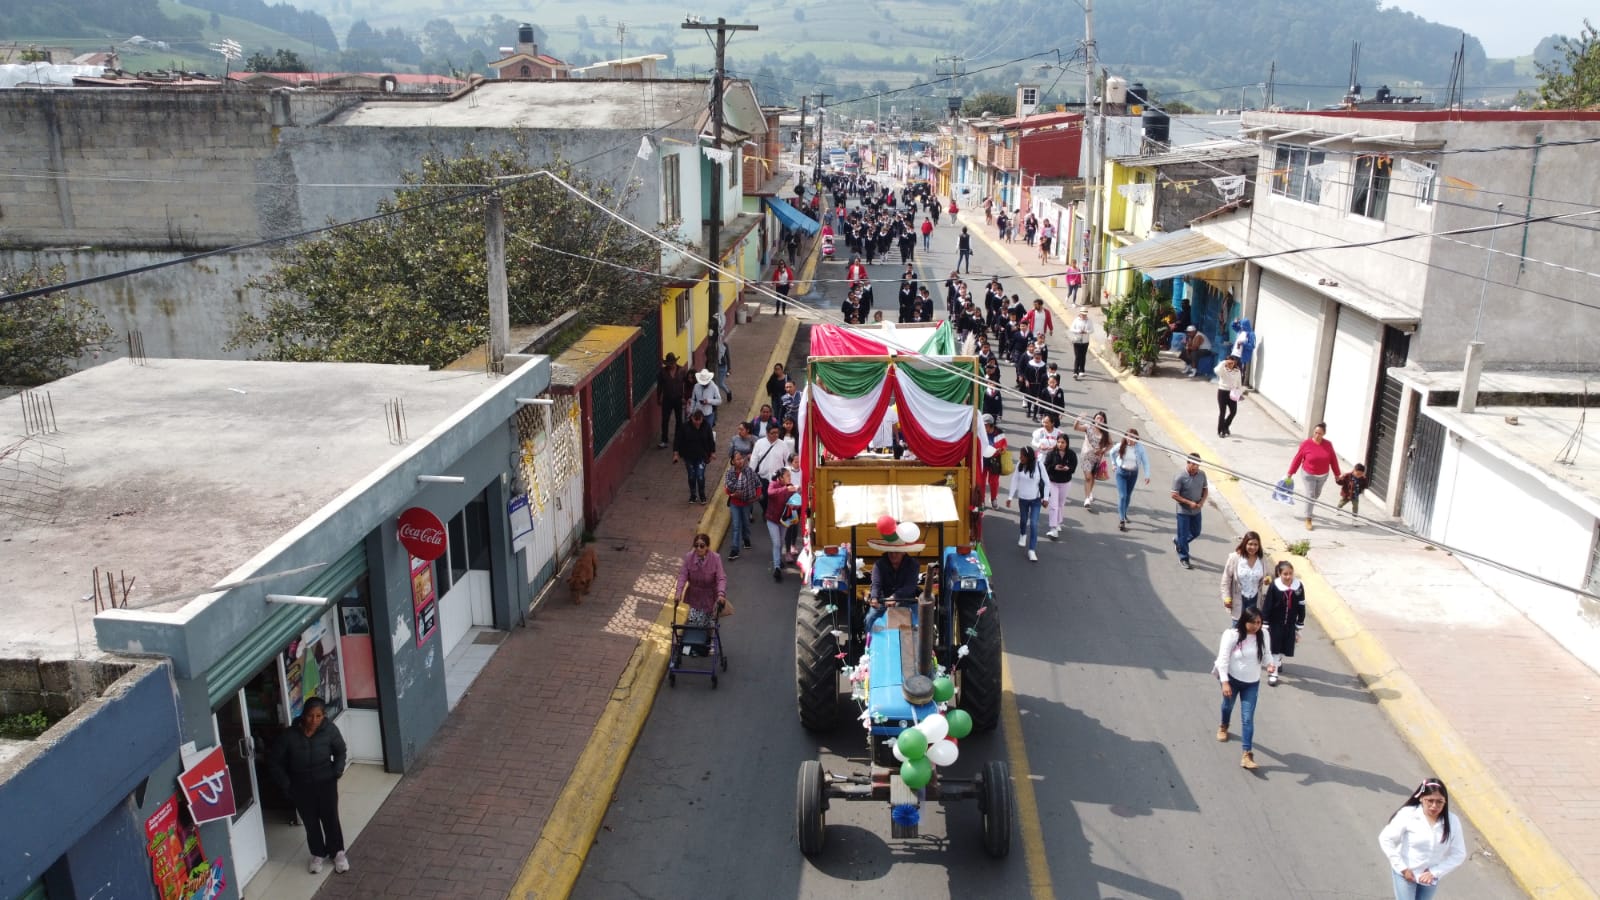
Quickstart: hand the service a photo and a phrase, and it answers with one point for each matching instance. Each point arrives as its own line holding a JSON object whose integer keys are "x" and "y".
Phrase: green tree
{"x": 1573, "y": 80}
{"x": 990, "y": 102}
{"x": 412, "y": 288}
{"x": 40, "y": 338}
{"x": 278, "y": 61}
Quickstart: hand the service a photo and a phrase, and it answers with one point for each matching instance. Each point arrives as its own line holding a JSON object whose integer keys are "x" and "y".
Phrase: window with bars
{"x": 671, "y": 197}
{"x": 680, "y": 308}
{"x": 646, "y": 352}
{"x": 609, "y": 402}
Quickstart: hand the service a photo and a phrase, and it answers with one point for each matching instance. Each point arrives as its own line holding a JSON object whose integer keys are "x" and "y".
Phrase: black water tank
{"x": 1157, "y": 125}
{"x": 525, "y": 33}
{"x": 1137, "y": 95}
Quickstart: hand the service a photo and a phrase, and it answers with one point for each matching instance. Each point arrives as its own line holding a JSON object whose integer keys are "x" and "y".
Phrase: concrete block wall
{"x": 56, "y": 687}
{"x": 140, "y": 169}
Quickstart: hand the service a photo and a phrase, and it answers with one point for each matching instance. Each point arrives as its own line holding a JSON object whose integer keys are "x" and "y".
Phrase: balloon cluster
{"x": 905, "y": 532}
{"x": 932, "y": 742}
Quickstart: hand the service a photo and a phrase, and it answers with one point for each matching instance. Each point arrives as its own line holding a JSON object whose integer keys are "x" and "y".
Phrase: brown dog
{"x": 583, "y": 573}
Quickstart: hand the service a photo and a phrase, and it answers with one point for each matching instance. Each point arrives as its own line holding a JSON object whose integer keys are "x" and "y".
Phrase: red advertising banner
{"x": 208, "y": 788}
{"x": 178, "y": 864}
{"x": 424, "y": 602}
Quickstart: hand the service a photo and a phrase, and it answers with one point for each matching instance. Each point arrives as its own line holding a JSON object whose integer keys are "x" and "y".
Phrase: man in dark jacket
{"x": 695, "y": 446}
{"x": 669, "y": 393}
{"x": 307, "y": 762}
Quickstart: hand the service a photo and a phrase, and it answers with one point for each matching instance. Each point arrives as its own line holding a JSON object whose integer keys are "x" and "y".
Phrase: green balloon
{"x": 916, "y": 773}
{"x": 944, "y": 687}
{"x": 960, "y": 723}
{"x": 913, "y": 744}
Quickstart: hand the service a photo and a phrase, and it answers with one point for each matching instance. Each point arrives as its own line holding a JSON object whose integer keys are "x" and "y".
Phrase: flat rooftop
{"x": 178, "y": 472}
{"x": 562, "y": 104}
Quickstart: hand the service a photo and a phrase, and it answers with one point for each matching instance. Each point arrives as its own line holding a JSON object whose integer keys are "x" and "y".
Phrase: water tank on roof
{"x": 1116, "y": 90}
{"x": 525, "y": 33}
{"x": 1137, "y": 98}
{"x": 1156, "y": 124}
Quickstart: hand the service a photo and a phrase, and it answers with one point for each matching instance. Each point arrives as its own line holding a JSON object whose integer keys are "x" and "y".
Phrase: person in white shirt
{"x": 1027, "y": 488}
{"x": 771, "y": 454}
{"x": 1079, "y": 332}
{"x": 705, "y": 398}
{"x": 1044, "y": 437}
{"x": 1230, "y": 388}
{"x": 1241, "y": 657}
{"x": 1423, "y": 842}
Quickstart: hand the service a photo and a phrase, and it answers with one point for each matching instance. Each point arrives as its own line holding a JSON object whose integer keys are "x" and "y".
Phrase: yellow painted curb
{"x": 552, "y": 868}
{"x": 1022, "y": 781}
{"x": 1536, "y": 865}
{"x": 808, "y": 271}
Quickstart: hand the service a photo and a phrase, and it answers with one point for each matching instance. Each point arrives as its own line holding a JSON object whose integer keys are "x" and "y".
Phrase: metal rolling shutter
{"x": 1288, "y": 318}
{"x": 1386, "y": 412}
{"x": 1348, "y": 411}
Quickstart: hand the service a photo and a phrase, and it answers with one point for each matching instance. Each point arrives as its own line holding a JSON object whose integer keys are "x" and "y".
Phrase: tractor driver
{"x": 894, "y": 582}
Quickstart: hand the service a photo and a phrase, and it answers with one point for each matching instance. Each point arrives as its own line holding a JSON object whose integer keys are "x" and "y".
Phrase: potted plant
{"x": 1133, "y": 322}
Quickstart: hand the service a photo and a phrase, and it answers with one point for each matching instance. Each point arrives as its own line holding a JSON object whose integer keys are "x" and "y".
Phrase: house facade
{"x": 1361, "y": 259}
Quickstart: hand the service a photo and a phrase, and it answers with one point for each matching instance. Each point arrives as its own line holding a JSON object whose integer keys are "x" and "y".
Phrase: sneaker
{"x": 1123, "y": 525}
{"x": 1022, "y": 541}
{"x": 662, "y": 445}
{"x": 315, "y": 867}
{"x": 1186, "y": 564}
{"x": 341, "y": 863}
{"x": 1308, "y": 525}
{"x": 747, "y": 545}
{"x": 1272, "y": 680}
{"x": 777, "y": 573}
{"x": 1248, "y": 761}
{"x": 1222, "y": 733}
{"x": 1032, "y": 556}
{"x": 1053, "y": 534}
{"x": 733, "y": 556}
{"x": 1088, "y": 502}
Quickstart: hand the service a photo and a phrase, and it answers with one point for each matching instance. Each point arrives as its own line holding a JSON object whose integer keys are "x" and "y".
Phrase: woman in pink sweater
{"x": 1317, "y": 458}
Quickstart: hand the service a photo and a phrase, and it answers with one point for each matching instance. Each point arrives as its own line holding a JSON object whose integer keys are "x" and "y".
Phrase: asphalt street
{"x": 1109, "y": 643}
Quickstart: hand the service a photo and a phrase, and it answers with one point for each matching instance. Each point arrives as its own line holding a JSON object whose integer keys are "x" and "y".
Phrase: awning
{"x": 793, "y": 218}
{"x": 1176, "y": 253}
{"x": 862, "y": 504}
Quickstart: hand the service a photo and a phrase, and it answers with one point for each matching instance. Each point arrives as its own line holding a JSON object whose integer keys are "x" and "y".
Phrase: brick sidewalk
{"x": 462, "y": 822}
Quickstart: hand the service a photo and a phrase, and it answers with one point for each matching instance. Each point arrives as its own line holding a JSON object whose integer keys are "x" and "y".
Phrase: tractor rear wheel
{"x": 980, "y": 670}
{"x": 816, "y": 663}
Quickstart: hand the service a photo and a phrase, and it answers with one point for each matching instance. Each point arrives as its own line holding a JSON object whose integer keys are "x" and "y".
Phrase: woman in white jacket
{"x": 1423, "y": 841}
{"x": 1241, "y": 657}
{"x": 1027, "y": 488}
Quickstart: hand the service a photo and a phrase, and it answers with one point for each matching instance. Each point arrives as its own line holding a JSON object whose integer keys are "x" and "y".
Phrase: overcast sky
{"x": 1507, "y": 29}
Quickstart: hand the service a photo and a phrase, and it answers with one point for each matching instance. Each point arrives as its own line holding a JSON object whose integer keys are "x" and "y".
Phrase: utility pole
{"x": 718, "y": 185}
{"x": 1091, "y": 237}
{"x": 822, "y": 101}
{"x": 802, "y": 130}
{"x": 622, "y": 38}
{"x": 499, "y": 303}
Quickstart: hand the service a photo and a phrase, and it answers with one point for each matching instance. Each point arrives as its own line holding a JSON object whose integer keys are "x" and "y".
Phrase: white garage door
{"x": 1350, "y": 383}
{"x": 1288, "y": 318}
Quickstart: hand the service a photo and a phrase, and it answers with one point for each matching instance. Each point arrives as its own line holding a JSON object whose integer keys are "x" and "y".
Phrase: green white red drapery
{"x": 933, "y": 397}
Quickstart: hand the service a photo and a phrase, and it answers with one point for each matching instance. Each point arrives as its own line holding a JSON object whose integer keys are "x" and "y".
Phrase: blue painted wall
{"x": 78, "y": 802}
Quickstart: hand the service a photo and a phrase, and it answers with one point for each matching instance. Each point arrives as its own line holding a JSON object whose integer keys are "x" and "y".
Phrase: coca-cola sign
{"x": 422, "y": 534}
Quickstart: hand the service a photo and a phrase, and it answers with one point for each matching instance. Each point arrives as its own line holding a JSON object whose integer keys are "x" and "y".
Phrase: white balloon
{"x": 894, "y": 746}
{"x": 908, "y": 532}
{"x": 934, "y": 728}
{"x": 943, "y": 753}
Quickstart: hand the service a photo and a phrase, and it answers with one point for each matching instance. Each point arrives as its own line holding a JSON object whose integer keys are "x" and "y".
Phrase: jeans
{"x": 1227, "y": 408}
{"x": 1244, "y": 692}
{"x": 317, "y": 804}
{"x": 927, "y": 240}
{"x": 1072, "y": 294}
{"x": 1126, "y": 479}
{"x": 775, "y": 532}
{"x": 966, "y": 258}
{"x": 1080, "y": 356}
{"x": 1188, "y": 530}
{"x": 1056, "y": 493}
{"x": 696, "y": 471}
{"x": 738, "y": 529}
{"x": 1310, "y": 490}
{"x": 1028, "y": 525}
{"x": 1406, "y": 890}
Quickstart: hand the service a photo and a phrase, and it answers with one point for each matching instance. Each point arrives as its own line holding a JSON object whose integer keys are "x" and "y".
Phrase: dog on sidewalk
{"x": 583, "y": 573}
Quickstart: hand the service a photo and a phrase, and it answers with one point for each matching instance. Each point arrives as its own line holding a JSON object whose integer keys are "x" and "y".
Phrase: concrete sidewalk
{"x": 507, "y": 797}
{"x": 1495, "y": 706}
